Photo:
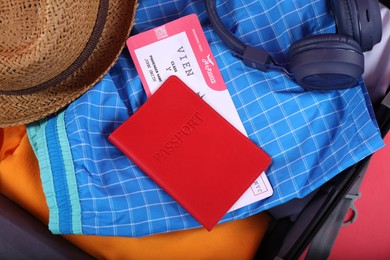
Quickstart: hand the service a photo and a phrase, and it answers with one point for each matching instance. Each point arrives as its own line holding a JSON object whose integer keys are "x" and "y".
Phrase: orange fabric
{"x": 20, "y": 181}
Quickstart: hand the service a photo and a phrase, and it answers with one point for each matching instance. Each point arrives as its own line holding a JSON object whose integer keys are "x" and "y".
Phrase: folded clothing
{"x": 92, "y": 188}
{"x": 20, "y": 181}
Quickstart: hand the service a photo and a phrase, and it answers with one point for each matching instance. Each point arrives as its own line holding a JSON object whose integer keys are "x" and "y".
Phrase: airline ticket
{"x": 180, "y": 48}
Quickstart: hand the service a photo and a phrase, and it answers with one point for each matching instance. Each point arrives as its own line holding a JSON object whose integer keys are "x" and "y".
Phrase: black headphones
{"x": 326, "y": 61}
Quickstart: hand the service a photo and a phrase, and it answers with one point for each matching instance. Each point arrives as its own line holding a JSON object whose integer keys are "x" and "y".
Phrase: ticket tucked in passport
{"x": 180, "y": 48}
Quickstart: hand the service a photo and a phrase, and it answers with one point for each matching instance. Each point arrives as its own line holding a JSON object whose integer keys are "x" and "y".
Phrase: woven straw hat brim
{"x": 23, "y": 108}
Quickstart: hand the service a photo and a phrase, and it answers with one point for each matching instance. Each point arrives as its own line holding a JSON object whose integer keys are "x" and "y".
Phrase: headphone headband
{"x": 251, "y": 56}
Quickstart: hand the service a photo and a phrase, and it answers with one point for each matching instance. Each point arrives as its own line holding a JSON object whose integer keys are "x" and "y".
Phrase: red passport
{"x": 190, "y": 151}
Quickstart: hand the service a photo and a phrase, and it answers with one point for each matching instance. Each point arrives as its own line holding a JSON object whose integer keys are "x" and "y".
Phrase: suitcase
{"x": 312, "y": 222}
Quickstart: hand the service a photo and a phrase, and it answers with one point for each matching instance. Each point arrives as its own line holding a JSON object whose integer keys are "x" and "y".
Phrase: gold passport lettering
{"x": 178, "y": 138}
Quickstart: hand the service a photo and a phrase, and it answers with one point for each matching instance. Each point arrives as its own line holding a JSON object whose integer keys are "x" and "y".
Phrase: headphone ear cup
{"x": 326, "y": 61}
{"x": 346, "y": 18}
{"x": 360, "y": 19}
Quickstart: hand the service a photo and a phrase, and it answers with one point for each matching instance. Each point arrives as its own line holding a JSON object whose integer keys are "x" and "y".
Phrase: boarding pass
{"x": 180, "y": 48}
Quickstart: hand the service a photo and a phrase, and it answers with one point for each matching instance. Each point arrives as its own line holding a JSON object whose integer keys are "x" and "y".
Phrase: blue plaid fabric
{"x": 92, "y": 188}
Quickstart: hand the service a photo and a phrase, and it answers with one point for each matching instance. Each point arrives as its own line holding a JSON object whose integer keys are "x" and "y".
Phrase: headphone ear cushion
{"x": 360, "y": 19}
{"x": 323, "y": 41}
{"x": 346, "y": 17}
{"x": 326, "y": 61}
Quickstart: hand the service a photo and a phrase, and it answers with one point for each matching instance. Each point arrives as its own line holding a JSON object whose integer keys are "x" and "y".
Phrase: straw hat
{"x": 51, "y": 52}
